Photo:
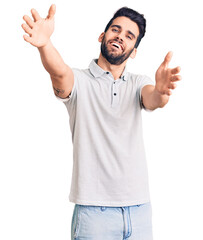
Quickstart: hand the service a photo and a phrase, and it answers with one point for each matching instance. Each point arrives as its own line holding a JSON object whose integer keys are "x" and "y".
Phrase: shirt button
{"x": 114, "y": 94}
{"x": 114, "y": 82}
{"x": 107, "y": 72}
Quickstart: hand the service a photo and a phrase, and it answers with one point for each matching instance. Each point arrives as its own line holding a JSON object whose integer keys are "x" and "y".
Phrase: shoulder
{"x": 81, "y": 73}
{"x": 140, "y": 78}
{"x": 137, "y": 77}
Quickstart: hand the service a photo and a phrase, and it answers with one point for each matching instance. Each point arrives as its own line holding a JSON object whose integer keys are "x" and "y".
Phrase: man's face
{"x": 118, "y": 43}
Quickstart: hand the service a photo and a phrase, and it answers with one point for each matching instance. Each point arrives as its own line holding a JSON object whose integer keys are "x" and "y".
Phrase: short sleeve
{"x": 72, "y": 95}
{"x": 143, "y": 80}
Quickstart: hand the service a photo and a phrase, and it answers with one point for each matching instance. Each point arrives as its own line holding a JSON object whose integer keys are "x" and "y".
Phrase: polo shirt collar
{"x": 97, "y": 71}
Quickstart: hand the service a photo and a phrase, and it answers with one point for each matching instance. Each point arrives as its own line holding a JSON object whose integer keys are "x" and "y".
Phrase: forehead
{"x": 126, "y": 24}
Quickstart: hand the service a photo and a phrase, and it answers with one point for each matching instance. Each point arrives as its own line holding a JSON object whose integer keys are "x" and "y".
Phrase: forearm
{"x": 152, "y": 98}
{"x": 52, "y": 61}
{"x": 157, "y": 100}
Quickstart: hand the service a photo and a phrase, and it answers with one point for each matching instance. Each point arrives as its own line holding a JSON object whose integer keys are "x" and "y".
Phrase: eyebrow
{"x": 119, "y": 27}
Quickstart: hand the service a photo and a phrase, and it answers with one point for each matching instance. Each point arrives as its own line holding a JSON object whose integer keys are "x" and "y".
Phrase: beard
{"x": 114, "y": 58}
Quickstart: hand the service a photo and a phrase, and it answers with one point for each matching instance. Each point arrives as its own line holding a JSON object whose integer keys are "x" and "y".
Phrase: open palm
{"x": 166, "y": 77}
{"x": 39, "y": 30}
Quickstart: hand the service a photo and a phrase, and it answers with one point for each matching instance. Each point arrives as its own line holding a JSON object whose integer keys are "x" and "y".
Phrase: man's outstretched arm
{"x": 158, "y": 96}
{"x": 40, "y": 31}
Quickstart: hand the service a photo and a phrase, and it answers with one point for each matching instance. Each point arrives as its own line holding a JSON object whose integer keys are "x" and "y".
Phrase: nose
{"x": 119, "y": 38}
{"x": 121, "y": 35}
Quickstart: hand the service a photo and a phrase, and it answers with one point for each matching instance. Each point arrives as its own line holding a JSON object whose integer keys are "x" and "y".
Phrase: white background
{"x": 36, "y": 147}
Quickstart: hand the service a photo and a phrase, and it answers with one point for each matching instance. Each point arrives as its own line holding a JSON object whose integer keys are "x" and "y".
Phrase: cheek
{"x": 130, "y": 46}
{"x": 110, "y": 36}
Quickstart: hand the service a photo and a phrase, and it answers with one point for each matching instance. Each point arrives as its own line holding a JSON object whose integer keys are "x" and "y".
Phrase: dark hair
{"x": 135, "y": 17}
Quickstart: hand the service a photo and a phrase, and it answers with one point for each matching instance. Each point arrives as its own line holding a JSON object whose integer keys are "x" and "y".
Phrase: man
{"x": 110, "y": 179}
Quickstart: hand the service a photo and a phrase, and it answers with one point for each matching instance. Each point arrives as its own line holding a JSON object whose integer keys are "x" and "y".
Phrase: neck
{"x": 116, "y": 70}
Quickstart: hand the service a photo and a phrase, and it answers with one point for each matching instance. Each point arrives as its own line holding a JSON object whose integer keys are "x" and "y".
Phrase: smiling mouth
{"x": 116, "y": 45}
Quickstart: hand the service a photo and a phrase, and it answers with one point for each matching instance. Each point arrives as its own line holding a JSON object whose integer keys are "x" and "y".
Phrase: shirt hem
{"x": 109, "y": 203}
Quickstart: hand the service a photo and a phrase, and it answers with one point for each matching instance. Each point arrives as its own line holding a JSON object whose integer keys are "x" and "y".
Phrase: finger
{"x": 35, "y": 15}
{"x": 26, "y": 28}
{"x": 167, "y": 58}
{"x": 52, "y": 11}
{"x": 172, "y": 86}
{"x": 175, "y": 70}
{"x": 176, "y": 78}
{"x": 27, "y": 38}
{"x": 29, "y": 21}
{"x": 169, "y": 92}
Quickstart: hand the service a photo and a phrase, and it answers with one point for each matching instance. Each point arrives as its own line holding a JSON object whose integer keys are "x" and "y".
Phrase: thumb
{"x": 167, "y": 58}
{"x": 52, "y": 11}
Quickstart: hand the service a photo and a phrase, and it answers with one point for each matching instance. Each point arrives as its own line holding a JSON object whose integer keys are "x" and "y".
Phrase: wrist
{"x": 47, "y": 45}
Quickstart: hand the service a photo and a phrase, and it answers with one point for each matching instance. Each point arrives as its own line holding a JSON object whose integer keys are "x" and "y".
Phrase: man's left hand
{"x": 166, "y": 77}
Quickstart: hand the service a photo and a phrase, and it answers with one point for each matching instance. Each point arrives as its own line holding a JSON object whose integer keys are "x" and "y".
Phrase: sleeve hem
{"x": 65, "y": 99}
{"x": 70, "y": 95}
{"x": 141, "y": 103}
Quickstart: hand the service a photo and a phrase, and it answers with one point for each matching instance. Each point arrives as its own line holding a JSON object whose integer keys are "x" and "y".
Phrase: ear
{"x": 133, "y": 54}
{"x": 101, "y": 37}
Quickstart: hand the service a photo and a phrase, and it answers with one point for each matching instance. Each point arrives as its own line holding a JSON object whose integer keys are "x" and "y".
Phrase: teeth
{"x": 116, "y": 45}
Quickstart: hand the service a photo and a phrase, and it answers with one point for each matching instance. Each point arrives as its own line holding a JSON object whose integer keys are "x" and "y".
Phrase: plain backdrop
{"x": 36, "y": 147}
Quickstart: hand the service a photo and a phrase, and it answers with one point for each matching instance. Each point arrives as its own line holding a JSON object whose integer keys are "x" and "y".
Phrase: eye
{"x": 129, "y": 37}
{"x": 114, "y": 30}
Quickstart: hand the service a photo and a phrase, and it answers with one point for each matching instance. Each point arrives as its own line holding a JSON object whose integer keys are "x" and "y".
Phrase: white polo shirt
{"x": 109, "y": 165}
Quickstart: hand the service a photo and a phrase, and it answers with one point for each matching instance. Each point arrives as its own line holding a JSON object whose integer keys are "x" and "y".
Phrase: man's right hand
{"x": 39, "y": 30}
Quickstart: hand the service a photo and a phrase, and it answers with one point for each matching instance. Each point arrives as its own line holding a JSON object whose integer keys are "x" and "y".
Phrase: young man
{"x": 110, "y": 179}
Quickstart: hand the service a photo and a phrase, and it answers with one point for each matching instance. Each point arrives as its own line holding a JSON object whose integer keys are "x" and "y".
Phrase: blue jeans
{"x": 112, "y": 223}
